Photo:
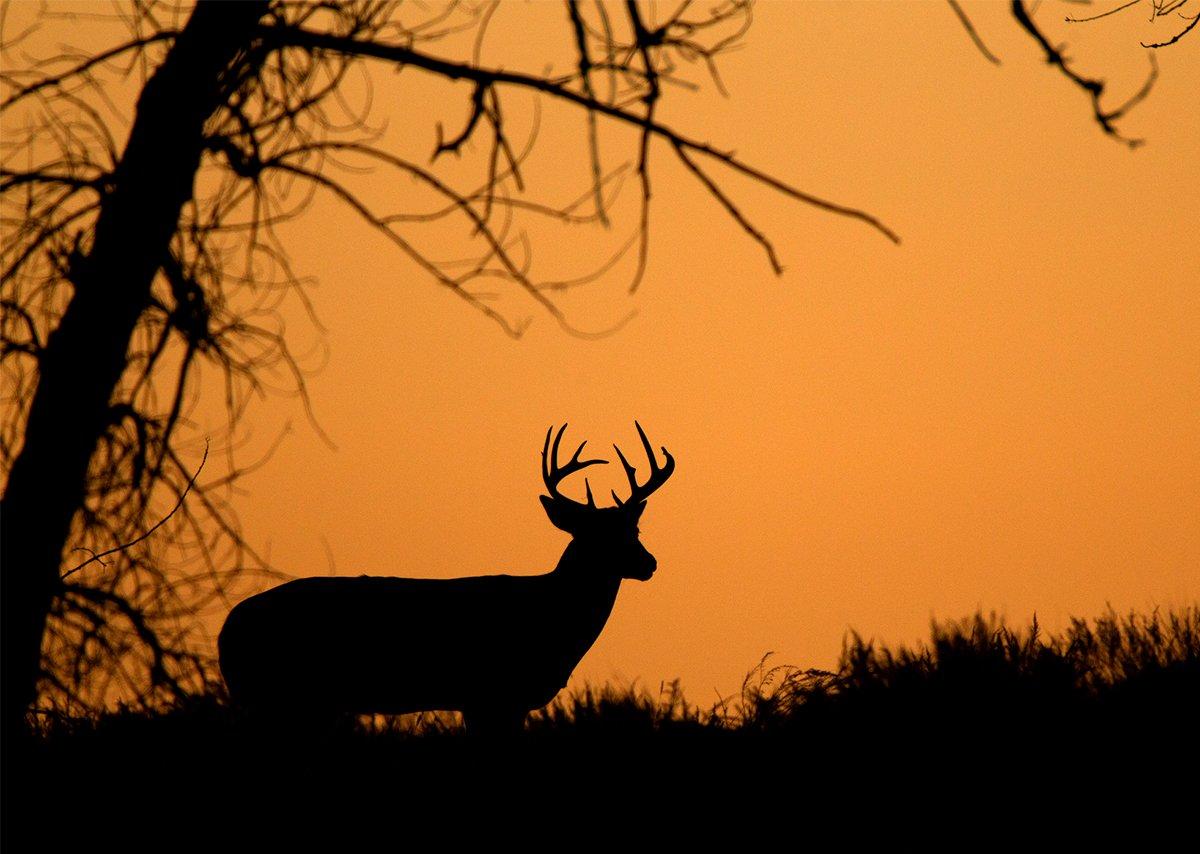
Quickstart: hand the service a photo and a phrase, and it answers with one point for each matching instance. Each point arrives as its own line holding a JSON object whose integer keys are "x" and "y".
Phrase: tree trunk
{"x": 85, "y": 356}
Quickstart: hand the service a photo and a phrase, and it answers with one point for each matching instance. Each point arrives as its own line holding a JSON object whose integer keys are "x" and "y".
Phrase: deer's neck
{"x": 580, "y": 562}
{"x": 588, "y": 580}
{"x": 585, "y": 594}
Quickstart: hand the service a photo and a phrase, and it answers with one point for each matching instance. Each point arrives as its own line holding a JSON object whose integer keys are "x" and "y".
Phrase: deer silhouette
{"x": 493, "y": 647}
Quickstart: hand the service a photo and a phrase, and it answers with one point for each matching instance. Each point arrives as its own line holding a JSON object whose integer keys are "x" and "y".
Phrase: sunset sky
{"x": 1002, "y": 413}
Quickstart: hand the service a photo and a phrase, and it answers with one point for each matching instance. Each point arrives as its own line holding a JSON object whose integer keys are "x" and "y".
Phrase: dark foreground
{"x": 1000, "y": 735}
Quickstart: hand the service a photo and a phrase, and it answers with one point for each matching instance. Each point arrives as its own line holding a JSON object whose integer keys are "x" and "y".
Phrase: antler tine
{"x": 553, "y": 474}
{"x": 646, "y": 445}
{"x": 658, "y": 474}
{"x": 574, "y": 461}
{"x": 630, "y": 472}
{"x": 545, "y": 453}
{"x": 557, "y": 442}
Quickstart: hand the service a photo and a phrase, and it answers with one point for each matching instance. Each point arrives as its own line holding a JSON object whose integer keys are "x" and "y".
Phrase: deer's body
{"x": 486, "y": 645}
{"x": 491, "y": 646}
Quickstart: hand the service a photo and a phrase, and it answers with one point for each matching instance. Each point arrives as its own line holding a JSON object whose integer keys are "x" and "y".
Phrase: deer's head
{"x": 604, "y": 537}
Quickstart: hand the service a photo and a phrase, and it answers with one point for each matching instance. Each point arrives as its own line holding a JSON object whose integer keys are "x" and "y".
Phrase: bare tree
{"x": 131, "y": 269}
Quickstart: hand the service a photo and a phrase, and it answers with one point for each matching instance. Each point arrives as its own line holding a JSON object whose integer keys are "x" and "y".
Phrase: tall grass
{"x": 981, "y": 717}
{"x": 977, "y": 678}
{"x": 982, "y": 667}
{"x": 978, "y": 668}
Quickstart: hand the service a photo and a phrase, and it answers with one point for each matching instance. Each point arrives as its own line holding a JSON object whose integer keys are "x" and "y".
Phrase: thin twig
{"x": 1177, "y": 37}
{"x": 585, "y": 77}
{"x": 99, "y": 557}
{"x": 971, "y": 31}
{"x": 732, "y": 210}
{"x": 1071, "y": 20}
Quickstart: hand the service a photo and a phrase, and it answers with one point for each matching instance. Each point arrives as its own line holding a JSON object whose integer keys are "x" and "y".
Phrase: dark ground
{"x": 983, "y": 737}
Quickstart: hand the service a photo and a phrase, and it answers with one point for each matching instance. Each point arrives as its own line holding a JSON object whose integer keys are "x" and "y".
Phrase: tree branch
{"x": 120, "y": 548}
{"x": 453, "y": 145}
{"x": 1094, "y": 88}
{"x": 1177, "y": 36}
{"x": 971, "y": 31}
{"x": 89, "y": 63}
{"x": 298, "y": 37}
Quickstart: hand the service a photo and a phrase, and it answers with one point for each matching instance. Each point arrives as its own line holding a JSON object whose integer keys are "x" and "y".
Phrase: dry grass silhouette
{"x": 981, "y": 720}
{"x": 971, "y": 672}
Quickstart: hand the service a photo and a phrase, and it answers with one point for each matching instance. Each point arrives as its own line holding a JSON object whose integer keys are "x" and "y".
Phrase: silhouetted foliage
{"x": 980, "y": 675}
{"x": 979, "y": 665}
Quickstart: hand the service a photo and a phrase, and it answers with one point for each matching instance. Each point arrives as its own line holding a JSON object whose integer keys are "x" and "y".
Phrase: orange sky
{"x": 1002, "y": 413}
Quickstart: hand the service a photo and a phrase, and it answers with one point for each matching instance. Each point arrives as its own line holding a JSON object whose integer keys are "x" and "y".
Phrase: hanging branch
{"x": 1094, "y": 88}
{"x": 310, "y": 40}
{"x": 973, "y": 33}
{"x": 99, "y": 558}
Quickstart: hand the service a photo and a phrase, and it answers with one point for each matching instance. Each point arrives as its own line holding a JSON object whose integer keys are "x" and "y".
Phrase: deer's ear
{"x": 559, "y": 517}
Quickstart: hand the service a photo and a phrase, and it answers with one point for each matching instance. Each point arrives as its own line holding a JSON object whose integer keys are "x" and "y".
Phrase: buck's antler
{"x": 658, "y": 476}
{"x": 552, "y": 475}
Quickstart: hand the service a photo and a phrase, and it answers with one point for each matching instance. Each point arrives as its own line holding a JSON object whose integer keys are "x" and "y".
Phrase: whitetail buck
{"x": 491, "y": 646}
